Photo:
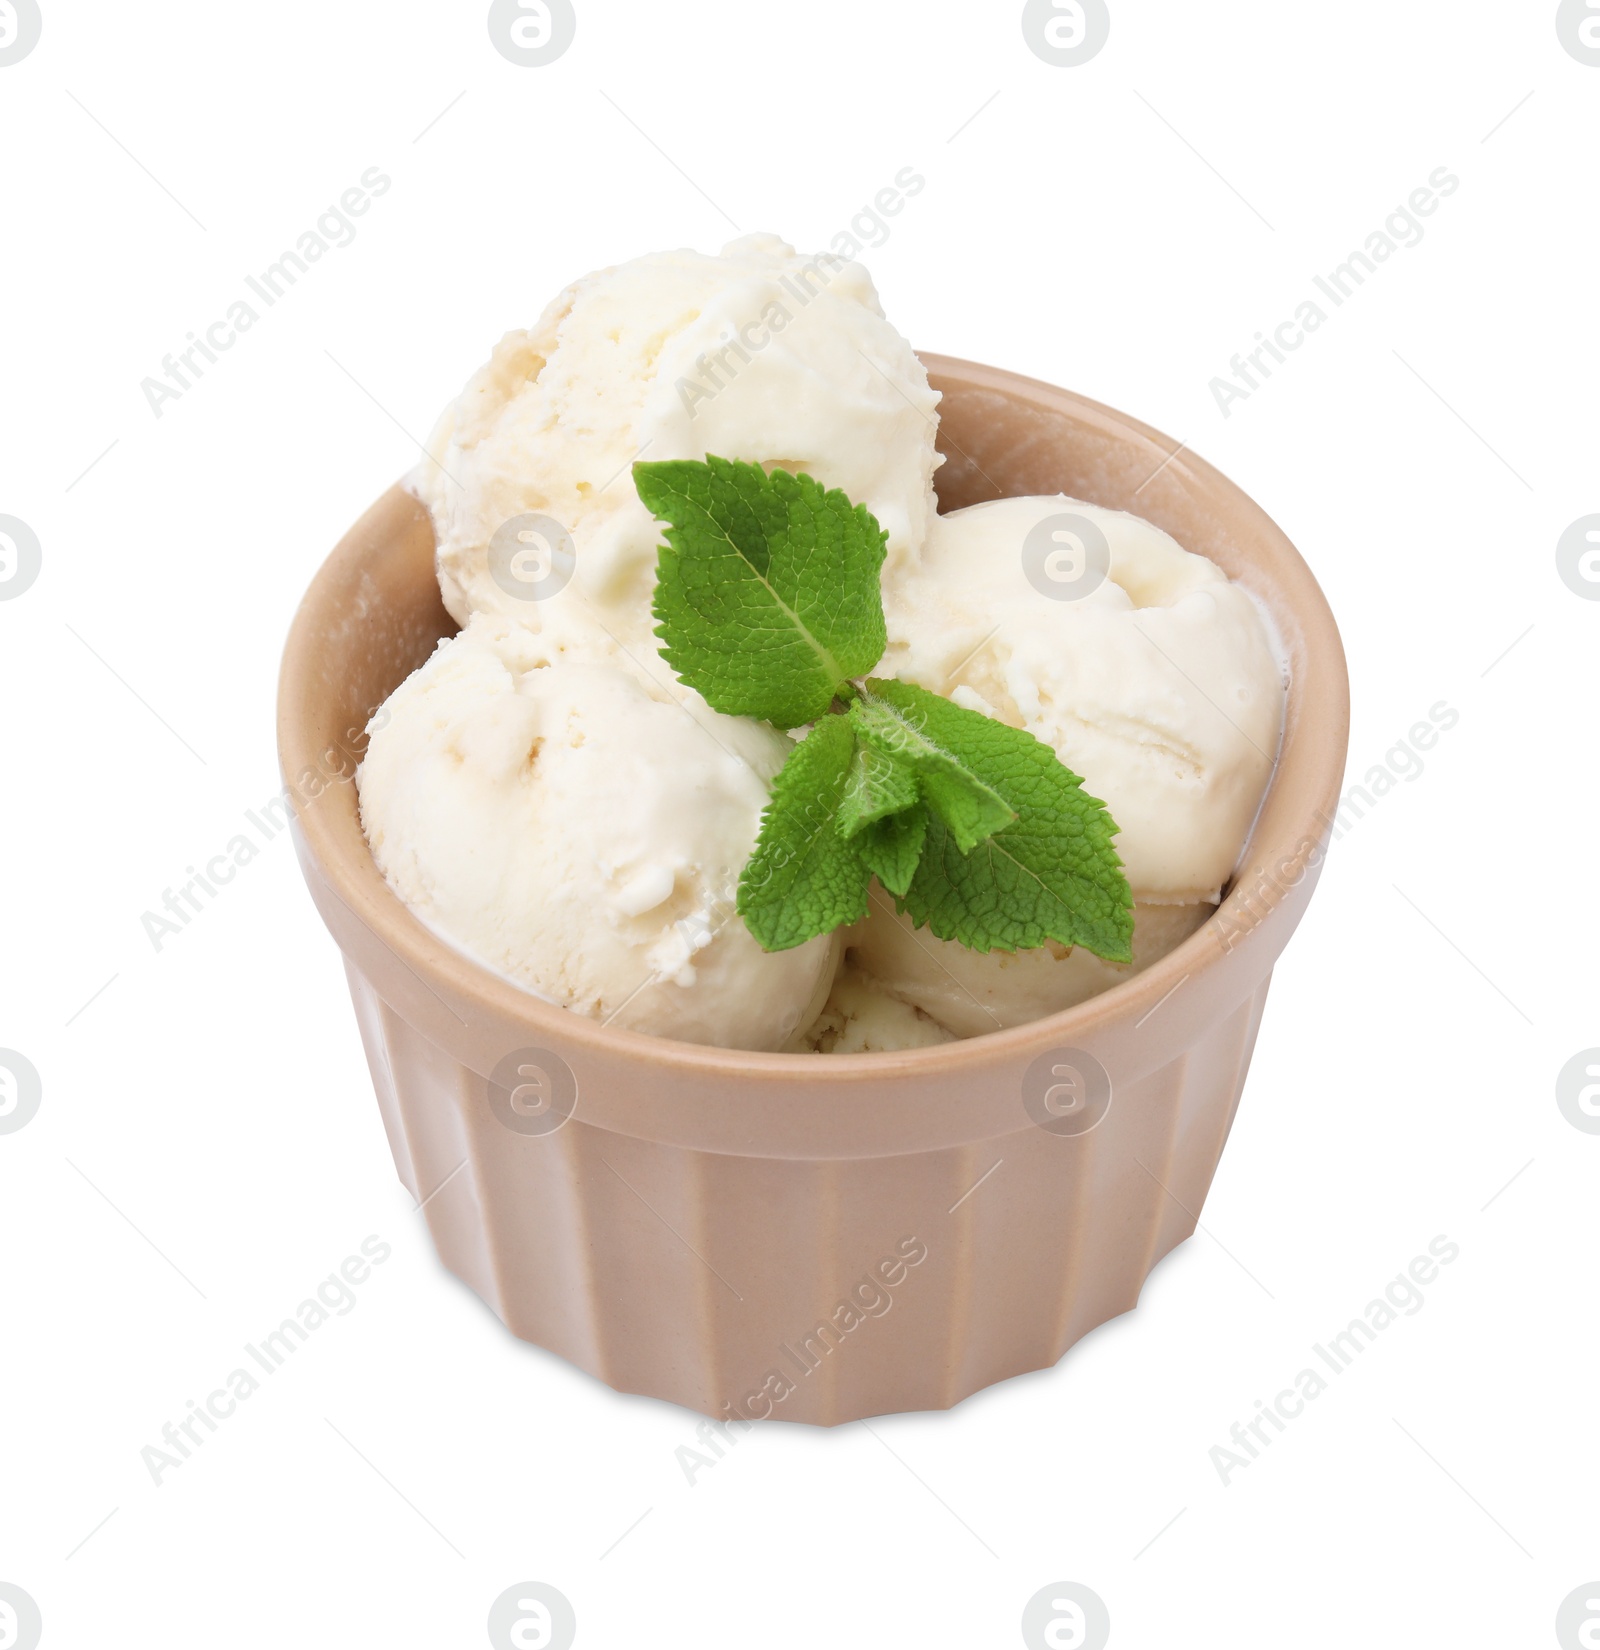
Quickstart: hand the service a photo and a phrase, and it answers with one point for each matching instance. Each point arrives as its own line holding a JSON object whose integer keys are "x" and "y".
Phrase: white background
{"x": 1425, "y": 450}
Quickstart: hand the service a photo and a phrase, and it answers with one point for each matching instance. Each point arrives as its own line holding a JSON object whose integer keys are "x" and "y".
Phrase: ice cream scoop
{"x": 1147, "y": 671}
{"x": 1151, "y": 676}
{"x": 585, "y": 839}
{"x": 971, "y": 992}
{"x": 862, "y": 1016}
{"x": 756, "y": 354}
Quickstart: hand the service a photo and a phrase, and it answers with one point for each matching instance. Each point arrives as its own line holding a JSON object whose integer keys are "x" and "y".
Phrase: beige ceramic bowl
{"x": 805, "y": 1237}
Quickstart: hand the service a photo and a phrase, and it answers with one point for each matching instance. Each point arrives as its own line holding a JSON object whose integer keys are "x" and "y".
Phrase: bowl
{"x": 804, "y": 1237}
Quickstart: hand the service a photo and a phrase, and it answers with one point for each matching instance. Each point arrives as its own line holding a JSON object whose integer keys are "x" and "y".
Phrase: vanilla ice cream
{"x": 756, "y": 354}
{"x": 585, "y": 839}
{"x": 862, "y": 1016}
{"x": 549, "y": 796}
{"x": 1157, "y": 682}
{"x": 1151, "y": 676}
{"x": 971, "y": 992}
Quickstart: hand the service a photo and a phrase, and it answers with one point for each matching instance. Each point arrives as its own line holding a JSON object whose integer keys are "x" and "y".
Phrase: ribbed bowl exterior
{"x": 700, "y": 1276}
{"x": 815, "y": 1238}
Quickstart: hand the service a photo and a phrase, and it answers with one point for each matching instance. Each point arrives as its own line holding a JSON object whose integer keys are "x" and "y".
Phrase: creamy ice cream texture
{"x": 585, "y": 839}
{"x": 972, "y": 992}
{"x": 863, "y": 1015}
{"x": 547, "y": 795}
{"x": 1159, "y": 685}
{"x": 1148, "y": 673}
{"x": 757, "y": 354}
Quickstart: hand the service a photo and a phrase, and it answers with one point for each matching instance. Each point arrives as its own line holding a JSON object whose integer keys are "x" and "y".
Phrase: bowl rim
{"x": 1311, "y": 754}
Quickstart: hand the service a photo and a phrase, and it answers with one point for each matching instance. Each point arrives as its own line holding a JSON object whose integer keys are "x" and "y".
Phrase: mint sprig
{"x": 879, "y": 786}
{"x": 897, "y": 726}
{"x": 768, "y": 604}
{"x": 805, "y": 878}
{"x": 1050, "y": 874}
{"x": 767, "y": 588}
{"x": 893, "y": 847}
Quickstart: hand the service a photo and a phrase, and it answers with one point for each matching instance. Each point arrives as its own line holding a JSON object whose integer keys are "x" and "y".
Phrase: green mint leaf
{"x": 899, "y": 726}
{"x": 767, "y": 598}
{"x": 804, "y": 877}
{"x": 1052, "y": 874}
{"x": 893, "y": 846}
{"x": 879, "y": 785}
